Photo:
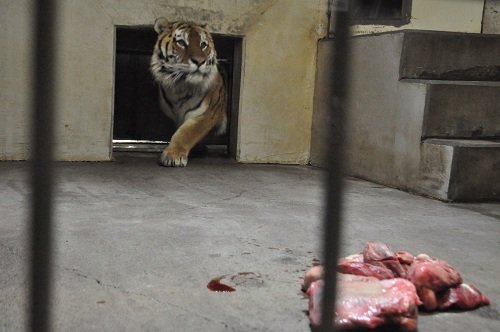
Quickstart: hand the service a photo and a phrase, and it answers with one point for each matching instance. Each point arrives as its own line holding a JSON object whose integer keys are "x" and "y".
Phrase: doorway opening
{"x": 139, "y": 125}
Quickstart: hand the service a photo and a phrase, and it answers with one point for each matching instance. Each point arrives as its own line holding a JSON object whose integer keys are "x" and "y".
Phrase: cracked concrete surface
{"x": 137, "y": 244}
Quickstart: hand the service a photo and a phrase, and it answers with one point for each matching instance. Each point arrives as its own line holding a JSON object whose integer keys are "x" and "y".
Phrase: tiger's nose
{"x": 198, "y": 60}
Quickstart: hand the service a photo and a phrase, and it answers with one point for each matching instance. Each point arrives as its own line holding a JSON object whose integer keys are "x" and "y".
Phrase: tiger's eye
{"x": 181, "y": 43}
{"x": 203, "y": 45}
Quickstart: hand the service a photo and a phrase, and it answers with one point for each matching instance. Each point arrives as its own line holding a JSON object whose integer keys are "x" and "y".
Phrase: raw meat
{"x": 430, "y": 276}
{"x": 365, "y": 269}
{"x": 377, "y": 251}
{"x": 433, "y": 273}
{"x": 355, "y": 264}
{"x": 438, "y": 286}
{"x": 405, "y": 257}
{"x": 464, "y": 296}
{"x": 313, "y": 274}
{"x": 395, "y": 266}
{"x": 366, "y": 302}
{"x": 379, "y": 254}
{"x": 428, "y": 298}
{"x": 353, "y": 258}
{"x": 315, "y": 294}
{"x": 376, "y": 260}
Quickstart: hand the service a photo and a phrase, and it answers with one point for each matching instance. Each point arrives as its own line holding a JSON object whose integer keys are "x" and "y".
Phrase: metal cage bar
{"x": 337, "y": 73}
{"x": 41, "y": 164}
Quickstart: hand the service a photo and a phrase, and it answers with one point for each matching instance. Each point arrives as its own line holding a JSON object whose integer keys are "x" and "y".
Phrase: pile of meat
{"x": 379, "y": 287}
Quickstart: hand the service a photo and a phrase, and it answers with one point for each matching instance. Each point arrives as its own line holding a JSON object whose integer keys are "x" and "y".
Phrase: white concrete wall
{"x": 15, "y": 58}
{"x": 276, "y": 90}
{"x": 277, "y": 104}
{"x": 439, "y": 15}
{"x": 277, "y": 83}
{"x": 384, "y": 123}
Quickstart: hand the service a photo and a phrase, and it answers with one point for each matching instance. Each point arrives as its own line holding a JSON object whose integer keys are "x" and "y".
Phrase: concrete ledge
{"x": 449, "y": 169}
{"x": 450, "y": 56}
{"x": 462, "y": 110}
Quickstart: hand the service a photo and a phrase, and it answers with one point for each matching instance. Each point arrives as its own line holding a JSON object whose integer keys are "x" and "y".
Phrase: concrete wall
{"x": 383, "y": 134}
{"x": 400, "y": 96}
{"x": 439, "y": 15}
{"x": 14, "y": 78}
{"x": 278, "y": 83}
{"x": 491, "y": 17}
{"x": 276, "y": 89}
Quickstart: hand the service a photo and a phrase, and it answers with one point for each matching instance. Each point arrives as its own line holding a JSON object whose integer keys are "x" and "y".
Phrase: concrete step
{"x": 455, "y": 109}
{"x": 419, "y": 101}
{"x": 450, "y": 56}
{"x": 449, "y": 169}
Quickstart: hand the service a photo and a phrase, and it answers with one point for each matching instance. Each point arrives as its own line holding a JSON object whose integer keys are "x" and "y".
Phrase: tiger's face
{"x": 184, "y": 51}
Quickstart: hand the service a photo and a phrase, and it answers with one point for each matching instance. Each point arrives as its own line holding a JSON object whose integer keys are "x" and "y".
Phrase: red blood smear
{"x": 216, "y": 286}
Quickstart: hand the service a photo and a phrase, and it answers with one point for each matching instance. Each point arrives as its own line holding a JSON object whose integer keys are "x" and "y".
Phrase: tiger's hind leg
{"x": 183, "y": 140}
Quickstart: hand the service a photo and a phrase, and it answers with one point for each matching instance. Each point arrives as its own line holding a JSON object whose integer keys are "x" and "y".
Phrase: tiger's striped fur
{"x": 191, "y": 88}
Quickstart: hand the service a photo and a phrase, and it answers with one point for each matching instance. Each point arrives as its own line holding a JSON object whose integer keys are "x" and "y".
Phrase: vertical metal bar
{"x": 485, "y": 5}
{"x": 334, "y": 180}
{"x": 42, "y": 165}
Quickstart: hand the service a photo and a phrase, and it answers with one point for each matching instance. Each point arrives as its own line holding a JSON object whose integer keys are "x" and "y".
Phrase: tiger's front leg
{"x": 183, "y": 140}
{"x": 174, "y": 157}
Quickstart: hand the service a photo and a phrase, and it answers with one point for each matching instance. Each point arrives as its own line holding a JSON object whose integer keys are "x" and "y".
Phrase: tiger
{"x": 191, "y": 88}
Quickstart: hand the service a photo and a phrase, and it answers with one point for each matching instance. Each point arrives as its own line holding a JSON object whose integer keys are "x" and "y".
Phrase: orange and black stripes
{"x": 191, "y": 88}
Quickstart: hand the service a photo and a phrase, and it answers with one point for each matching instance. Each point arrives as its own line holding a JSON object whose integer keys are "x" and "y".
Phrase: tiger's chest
{"x": 181, "y": 102}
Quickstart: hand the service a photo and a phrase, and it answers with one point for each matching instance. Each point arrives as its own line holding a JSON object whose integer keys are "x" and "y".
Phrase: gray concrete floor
{"x": 136, "y": 244}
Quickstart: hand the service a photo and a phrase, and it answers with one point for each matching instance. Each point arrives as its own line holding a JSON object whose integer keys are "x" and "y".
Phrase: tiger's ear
{"x": 161, "y": 24}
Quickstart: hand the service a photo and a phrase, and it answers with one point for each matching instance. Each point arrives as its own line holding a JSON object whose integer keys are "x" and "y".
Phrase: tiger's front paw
{"x": 173, "y": 158}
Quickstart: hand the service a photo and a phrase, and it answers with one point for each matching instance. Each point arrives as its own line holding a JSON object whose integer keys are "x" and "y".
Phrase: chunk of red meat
{"x": 395, "y": 266}
{"x": 464, "y": 296}
{"x": 433, "y": 273}
{"x": 430, "y": 276}
{"x": 379, "y": 254}
{"x": 405, "y": 257}
{"x": 364, "y": 269}
{"x": 377, "y": 251}
{"x": 353, "y": 258}
{"x": 366, "y": 302}
{"x": 315, "y": 295}
{"x": 313, "y": 274}
{"x": 354, "y": 264}
{"x": 428, "y": 298}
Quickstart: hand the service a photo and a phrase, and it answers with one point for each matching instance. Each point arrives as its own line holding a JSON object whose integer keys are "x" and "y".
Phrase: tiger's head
{"x": 184, "y": 51}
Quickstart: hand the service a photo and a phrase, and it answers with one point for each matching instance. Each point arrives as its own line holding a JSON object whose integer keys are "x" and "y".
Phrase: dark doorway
{"x": 139, "y": 124}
